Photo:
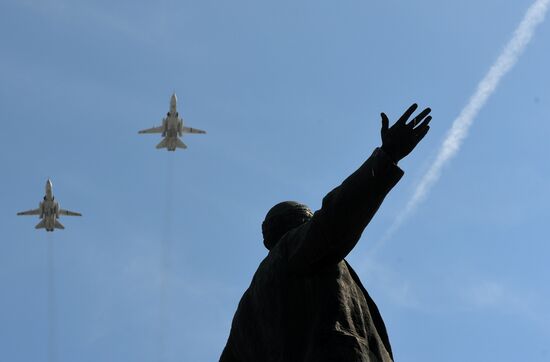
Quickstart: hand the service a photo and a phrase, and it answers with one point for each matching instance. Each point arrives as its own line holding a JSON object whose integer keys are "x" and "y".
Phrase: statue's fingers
{"x": 407, "y": 114}
{"x": 424, "y": 123}
{"x": 422, "y": 132}
{"x": 418, "y": 119}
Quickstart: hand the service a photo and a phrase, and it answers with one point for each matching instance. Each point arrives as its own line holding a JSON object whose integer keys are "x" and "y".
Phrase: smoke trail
{"x": 165, "y": 256}
{"x": 51, "y": 301}
{"x": 459, "y": 129}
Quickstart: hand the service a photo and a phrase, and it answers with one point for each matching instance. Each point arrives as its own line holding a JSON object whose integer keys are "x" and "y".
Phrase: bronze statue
{"x": 305, "y": 302}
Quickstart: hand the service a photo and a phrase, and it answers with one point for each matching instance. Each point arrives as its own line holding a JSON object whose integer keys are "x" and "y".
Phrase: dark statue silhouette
{"x": 305, "y": 302}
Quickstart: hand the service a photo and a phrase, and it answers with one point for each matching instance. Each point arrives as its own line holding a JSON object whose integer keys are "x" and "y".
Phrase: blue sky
{"x": 290, "y": 93}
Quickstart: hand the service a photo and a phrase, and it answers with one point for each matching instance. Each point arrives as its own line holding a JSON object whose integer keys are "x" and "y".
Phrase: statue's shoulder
{"x": 293, "y": 239}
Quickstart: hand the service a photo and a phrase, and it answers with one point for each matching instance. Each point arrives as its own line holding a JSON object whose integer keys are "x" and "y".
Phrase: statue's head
{"x": 282, "y": 218}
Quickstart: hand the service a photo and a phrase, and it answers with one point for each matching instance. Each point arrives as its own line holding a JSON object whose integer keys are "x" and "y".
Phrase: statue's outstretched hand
{"x": 401, "y": 138}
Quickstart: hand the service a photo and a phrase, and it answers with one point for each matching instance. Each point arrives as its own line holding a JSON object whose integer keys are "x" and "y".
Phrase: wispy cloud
{"x": 461, "y": 125}
{"x": 85, "y": 13}
{"x": 390, "y": 283}
{"x": 500, "y": 297}
{"x": 455, "y": 291}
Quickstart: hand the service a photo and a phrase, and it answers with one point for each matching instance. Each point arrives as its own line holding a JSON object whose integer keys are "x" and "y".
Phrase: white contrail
{"x": 459, "y": 130}
{"x": 52, "y": 310}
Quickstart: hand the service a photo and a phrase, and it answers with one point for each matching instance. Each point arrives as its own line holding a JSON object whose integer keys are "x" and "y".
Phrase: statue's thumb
{"x": 385, "y": 123}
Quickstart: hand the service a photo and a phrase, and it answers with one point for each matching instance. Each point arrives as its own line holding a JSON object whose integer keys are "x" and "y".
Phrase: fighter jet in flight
{"x": 172, "y": 128}
{"x": 49, "y": 211}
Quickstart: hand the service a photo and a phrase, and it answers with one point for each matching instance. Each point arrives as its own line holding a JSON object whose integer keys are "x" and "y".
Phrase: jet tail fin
{"x": 41, "y": 224}
{"x": 58, "y": 225}
{"x": 180, "y": 144}
{"x": 163, "y": 144}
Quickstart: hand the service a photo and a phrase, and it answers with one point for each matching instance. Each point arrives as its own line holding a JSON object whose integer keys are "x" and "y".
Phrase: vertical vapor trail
{"x": 165, "y": 255}
{"x": 459, "y": 129}
{"x": 51, "y": 301}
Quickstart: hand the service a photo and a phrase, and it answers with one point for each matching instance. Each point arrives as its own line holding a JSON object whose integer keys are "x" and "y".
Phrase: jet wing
{"x": 192, "y": 130}
{"x": 69, "y": 213}
{"x": 158, "y": 129}
{"x": 30, "y": 212}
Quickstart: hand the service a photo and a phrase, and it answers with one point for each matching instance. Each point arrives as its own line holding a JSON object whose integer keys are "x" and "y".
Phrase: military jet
{"x": 172, "y": 128}
{"x": 49, "y": 211}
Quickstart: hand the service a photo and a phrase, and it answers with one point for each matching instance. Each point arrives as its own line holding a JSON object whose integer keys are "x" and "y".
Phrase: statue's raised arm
{"x": 335, "y": 229}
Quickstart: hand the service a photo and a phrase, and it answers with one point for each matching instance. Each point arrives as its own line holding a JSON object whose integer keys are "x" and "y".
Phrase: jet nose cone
{"x": 48, "y": 187}
{"x": 174, "y": 98}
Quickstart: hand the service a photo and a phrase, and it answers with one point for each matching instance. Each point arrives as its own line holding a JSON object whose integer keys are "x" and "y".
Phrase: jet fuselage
{"x": 172, "y": 125}
{"x": 49, "y": 208}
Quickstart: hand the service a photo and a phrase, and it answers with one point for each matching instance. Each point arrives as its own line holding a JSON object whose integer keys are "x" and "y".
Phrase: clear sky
{"x": 290, "y": 93}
